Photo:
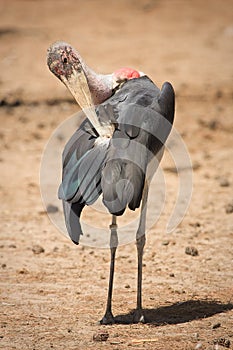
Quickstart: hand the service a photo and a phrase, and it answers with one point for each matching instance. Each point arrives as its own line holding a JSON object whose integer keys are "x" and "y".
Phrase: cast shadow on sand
{"x": 177, "y": 313}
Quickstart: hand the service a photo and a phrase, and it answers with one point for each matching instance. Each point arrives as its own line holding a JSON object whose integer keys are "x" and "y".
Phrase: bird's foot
{"x": 138, "y": 316}
{"x": 108, "y": 318}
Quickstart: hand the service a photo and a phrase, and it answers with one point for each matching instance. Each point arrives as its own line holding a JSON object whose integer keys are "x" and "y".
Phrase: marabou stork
{"x": 115, "y": 151}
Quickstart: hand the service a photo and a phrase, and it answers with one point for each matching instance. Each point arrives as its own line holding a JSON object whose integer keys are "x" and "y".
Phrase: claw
{"x": 107, "y": 319}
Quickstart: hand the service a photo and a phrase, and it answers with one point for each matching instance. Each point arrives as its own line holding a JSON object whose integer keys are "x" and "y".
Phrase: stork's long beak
{"x": 78, "y": 86}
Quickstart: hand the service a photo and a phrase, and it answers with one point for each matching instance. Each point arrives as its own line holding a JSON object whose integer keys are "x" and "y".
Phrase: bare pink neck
{"x": 100, "y": 85}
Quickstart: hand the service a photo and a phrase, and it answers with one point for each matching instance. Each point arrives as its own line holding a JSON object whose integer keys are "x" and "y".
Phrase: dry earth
{"x": 53, "y": 297}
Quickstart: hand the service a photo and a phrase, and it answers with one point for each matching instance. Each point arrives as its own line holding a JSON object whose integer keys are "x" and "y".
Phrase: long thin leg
{"x": 140, "y": 242}
{"x": 108, "y": 317}
{"x": 140, "y": 246}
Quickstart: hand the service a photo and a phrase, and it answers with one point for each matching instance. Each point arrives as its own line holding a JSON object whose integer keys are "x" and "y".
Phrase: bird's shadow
{"x": 177, "y": 313}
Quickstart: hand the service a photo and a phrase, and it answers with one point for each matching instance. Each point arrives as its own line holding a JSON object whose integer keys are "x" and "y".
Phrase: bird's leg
{"x": 108, "y": 317}
{"x": 140, "y": 246}
{"x": 140, "y": 242}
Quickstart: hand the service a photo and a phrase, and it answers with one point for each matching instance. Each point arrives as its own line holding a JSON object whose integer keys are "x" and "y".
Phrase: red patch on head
{"x": 126, "y": 74}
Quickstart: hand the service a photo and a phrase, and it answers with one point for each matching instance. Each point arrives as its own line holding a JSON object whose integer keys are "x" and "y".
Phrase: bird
{"x": 115, "y": 151}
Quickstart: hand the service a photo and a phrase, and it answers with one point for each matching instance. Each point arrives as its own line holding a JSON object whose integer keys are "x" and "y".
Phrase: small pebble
{"x": 52, "y": 208}
{"x": 60, "y": 137}
{"x": 12, "y": 246}
{"x": 36, "y": 135}
{"x": 37, "y": 249}
{"x": 196, "y": 165}
{"x": 229, "y": 208}
{"x": 165, "y": 242}
{"x": 23, "y": 271}
{"x": 195, "y": 224}
{"x": 101, "y": 336}
{"x": 191, "y": 251}
{"x": 213, "y": 124}
{"x": 41, "y": 125}
{"x": 223, "y": 182}
{"x": 198, "y": 346}
{"x": 216, "y": 325}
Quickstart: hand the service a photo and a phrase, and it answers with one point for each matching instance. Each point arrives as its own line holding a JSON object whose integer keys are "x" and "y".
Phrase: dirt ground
{"x": 53, "y": 297}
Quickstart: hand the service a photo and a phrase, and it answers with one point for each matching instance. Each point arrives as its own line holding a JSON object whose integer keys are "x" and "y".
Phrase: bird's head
{"x": 66, "y": 64}
{"x": 62, "y": 60}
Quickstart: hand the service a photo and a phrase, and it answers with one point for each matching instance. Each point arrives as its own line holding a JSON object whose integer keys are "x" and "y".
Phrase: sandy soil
{"x": 53, "y": 297}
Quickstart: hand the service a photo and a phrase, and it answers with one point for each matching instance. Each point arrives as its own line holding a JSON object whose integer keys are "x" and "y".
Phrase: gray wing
{"x": 82, "y": 162}
{"x": 143, "y": 117}
{"x": 144, "y": 120}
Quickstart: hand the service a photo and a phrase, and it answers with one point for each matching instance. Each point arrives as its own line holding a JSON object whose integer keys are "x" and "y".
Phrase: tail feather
{"x": 72, "y": 212}
{"x": 122, "y": 185}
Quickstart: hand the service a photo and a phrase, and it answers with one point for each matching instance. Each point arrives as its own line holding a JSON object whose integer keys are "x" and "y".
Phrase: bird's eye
{"x": 65, "y": 60}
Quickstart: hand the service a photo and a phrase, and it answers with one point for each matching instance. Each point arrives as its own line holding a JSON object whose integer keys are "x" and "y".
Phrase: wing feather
{"x": 143, "y": 117}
